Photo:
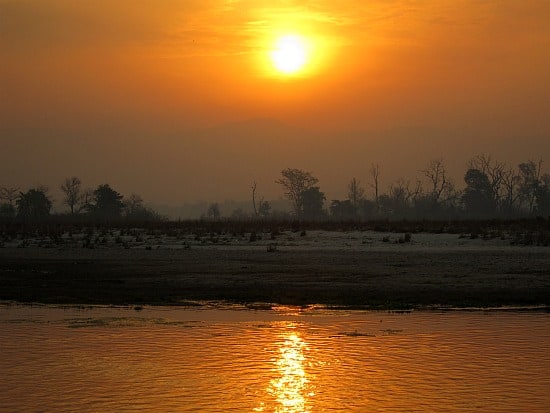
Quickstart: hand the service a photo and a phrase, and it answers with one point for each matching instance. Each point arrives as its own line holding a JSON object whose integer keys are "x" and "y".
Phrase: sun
{"x": 290, "y": 54}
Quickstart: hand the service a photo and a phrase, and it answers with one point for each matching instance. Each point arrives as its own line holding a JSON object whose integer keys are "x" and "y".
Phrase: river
{"x": 212, "y": 359}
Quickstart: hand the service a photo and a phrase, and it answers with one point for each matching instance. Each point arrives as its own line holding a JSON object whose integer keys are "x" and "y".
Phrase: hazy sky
{"x": 178, "y": 100}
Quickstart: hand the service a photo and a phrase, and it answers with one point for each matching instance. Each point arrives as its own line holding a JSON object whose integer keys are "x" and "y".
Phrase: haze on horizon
{"x": 177, "y": 100}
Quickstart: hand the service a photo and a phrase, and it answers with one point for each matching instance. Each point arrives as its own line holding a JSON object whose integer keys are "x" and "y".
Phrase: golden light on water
{"x": 291, "y": 388}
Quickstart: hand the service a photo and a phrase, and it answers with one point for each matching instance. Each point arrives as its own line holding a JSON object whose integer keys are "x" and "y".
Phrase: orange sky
{"x": 177, "y": 100}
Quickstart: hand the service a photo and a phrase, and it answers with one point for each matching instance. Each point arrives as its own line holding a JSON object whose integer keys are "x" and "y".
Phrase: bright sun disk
{"x": 289, "y": 55}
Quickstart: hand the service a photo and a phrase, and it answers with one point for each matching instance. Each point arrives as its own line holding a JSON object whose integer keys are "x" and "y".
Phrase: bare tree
{"x": 530, "y": 174}
{"x": 295, "y": 182}
{"x": 355, "y": 192}
{"x": 375, "y": 173}
{"x": 72, "y": 193}
{"x": 437, "y": 177}
{"x": 10, "y": 194}
{"x": 86, "y": 200}
{"x": 133, "y": 205}
{"x": 254, "y": 185}
{"x": 495, "y": 171}
{"x": 511, "y": 189}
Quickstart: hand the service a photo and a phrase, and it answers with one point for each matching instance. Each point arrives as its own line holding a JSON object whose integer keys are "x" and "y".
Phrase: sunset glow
{"x": 177, "y": 85}
{"x": 290, "y": 54}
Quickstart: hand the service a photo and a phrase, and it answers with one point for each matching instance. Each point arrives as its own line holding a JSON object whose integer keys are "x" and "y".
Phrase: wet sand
{"x": 372, "y": 277}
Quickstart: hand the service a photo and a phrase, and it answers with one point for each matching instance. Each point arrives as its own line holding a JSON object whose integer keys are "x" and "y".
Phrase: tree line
{"x": 100, "y": 204}
{"x": 492, "y": 189}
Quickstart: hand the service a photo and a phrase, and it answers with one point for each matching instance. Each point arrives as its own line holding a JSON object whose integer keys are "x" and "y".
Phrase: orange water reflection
{"x": 291, "y": 387}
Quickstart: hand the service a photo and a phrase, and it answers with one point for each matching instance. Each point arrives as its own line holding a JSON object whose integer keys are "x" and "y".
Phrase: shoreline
{"x": 318, "y": 270}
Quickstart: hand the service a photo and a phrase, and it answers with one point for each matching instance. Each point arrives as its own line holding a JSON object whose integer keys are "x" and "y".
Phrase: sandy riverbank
{"x": 334, "y": 268}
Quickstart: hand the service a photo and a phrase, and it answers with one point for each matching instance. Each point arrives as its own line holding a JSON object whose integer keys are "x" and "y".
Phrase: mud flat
{"x": 337, "y": 269}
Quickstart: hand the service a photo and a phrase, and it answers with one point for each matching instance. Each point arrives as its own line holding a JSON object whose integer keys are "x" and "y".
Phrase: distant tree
{"x": 9, "y": 194}
{"x": 397, "y": 201}
{"x": 441, "y": 187}
{"x": 133, "y": 205}
{"x": 33, "y": 205}
{"x": 375, "y": 174}
{"x": 72, "y": 193}
{"x": 312, "y": 201}
{"x": 213, "y": 211}
{"x": 264, "y": 208}
{"x": 529, "y": 173}
{"x": 478, "y": 197}
{"x": 7, "y": 211}
{"x": 295, "y": 182}
{"x": 355, "y": 192}
{"x": 254, "y": 186}
{"x": 543, "y": 195}
{"x": 495, "y": 172}
{"x": 367, "y": 209}
{"x": 238, "y": 214}
{"x": 107, "y": 203}
{"x": 511, "y": 181}
{"x": 342, "y": 209}
{"x": 135, "y": 210}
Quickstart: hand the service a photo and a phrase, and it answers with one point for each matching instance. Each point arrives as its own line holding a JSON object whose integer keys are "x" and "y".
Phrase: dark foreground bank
{"x": 373, "y": 279}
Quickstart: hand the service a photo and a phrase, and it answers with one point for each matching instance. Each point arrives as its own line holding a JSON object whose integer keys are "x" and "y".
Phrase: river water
{"x": 108, "y": 359}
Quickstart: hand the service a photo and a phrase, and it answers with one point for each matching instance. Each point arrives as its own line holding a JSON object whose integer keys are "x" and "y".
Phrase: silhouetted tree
{"x": 213, "y": 211}
{"x": 342, "y": 209}
{"x": 478, "y": 197}
{"x": 312, "y": 201}
{"x": 7, "y": 212}
{"x": 9, "y": 194}
{"x": 511, "y": 191}
{"x": 107, "y": 203}
{"x": 295, "y": 182}
{"x": 530, "y": 173}
{"x": 135, "y": 210}
{"x": 437, "y": 177}
{"x": 33, "y": 205}
{"x": 355, "y": 192}
{"x": 264, "y": 208}
{"x": 543, "y": 195}
{"x": 254, "y": 186}
{"x": 72, "y": 193}
{"x": 495, "y": 173}
{"x": 375, "y": 174}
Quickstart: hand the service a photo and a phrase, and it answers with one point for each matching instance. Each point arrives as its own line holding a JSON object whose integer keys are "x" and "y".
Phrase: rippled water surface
{"x": 282, "y": 360}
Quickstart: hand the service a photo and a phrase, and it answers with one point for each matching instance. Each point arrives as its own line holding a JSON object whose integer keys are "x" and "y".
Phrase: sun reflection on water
{"x": 290, "y": 388}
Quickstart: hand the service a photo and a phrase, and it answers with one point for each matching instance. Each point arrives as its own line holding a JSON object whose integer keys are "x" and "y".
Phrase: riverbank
{"x": 331, "y": 268}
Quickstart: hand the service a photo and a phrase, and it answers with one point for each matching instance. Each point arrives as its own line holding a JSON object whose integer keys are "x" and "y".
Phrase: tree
{"x": 355, "y": 192}
{"x": 478, "y": 197}
{"x": 213, "y": 211}
{"x": 375, "y": 174}
{"x": 511, "y": 192}
{"x": 494, "y": 171}
{"x": 9, "y": 194}
{"x": 437, "y": 177}
{"x": 342, "y": 209}
{"x": 135, "y": 210}
{"x": 543, "y": 195}
{"x": 264, "y": 209}
{"x": 295, "y": 182}
{"x": 312, "y": 201}
{"x": 33, "y": 205}
{"x": 254, "y": 186}
{"x": 72, "y": 193}
{"x": 7, "y": 211}
{"x": 108, "y": 203}
{"x": 529, "y": 173}
{"x": 438, "y": 180}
